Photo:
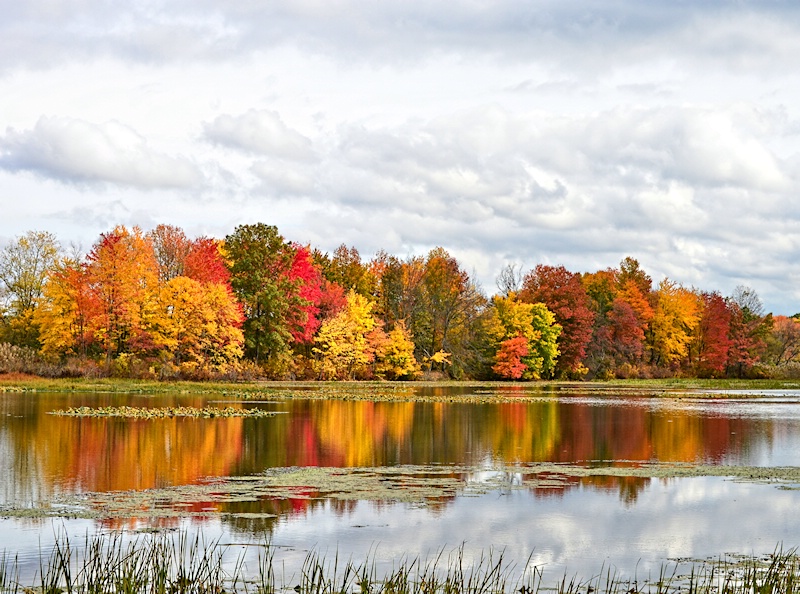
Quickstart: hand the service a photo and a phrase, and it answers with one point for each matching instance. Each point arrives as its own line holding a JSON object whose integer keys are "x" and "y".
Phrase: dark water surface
{"x": 632, "y": 523}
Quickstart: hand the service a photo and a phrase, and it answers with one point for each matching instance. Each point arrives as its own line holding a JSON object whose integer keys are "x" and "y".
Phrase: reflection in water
{"x": 46, "y": 455}
{"x": 569, "y": 520}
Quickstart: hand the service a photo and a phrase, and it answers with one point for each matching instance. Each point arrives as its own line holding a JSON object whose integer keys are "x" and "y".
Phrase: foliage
{"x": 196, "y": 325}
{"x": 565, "y": 296}
{"x": 512, "y": 319}
{"x": 24, "y": 265}
{"x": 712, "y": 341}
{"x": 676, "y": 315}
{"x": 260, "y": 261}
{"x": 395, "y": 355}
{"x": 783, "y": 343}
{"x": 161, "y": 304}
{"x": 122, "y": 275}
{"x": 343, "y": 348}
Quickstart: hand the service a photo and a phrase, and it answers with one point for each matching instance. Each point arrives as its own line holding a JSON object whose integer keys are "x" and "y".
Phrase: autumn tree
{"x": 196, "y": 326}
{"x": 394, "y": 354}
{"x": 509, "y": 360}
{"x": 783, "y": 342}
{"x": 676, "y": 315}
{"x": 750, "y": 328}
{"x": 306, "y": 280}
{"x": 345, "y": 268}
{"x": 66, "y": 308}
{"x": 170, "y": 247}
{"x": 343, "y": 348}
{"x": 205, "y": 263}
{"x": 512, "y": 319}
{"x": 448, "y": 307}
{"x": 24, "y": 265}
{"x": 122, "y": 274}
{"x": 565, "y": 296}
{"x": 712, "y": 342}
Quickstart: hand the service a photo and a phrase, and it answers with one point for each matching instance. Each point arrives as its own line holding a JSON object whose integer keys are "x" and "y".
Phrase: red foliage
{"x": 509, "y": 358}
{"x": 333, "y": 299}
{"x": 204, "y": 262}
{"x": 713, "y": 335}
{"x": 627, "y": 335}
{"x": 303, "y": 319}
{"x": 564, "y": 294}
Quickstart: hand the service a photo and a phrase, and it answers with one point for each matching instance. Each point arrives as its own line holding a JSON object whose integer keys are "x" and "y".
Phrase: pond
{"x": 574, "y": 480}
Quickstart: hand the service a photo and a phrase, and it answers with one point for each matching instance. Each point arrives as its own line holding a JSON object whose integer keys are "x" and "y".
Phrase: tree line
{"x": 253, "y": 304}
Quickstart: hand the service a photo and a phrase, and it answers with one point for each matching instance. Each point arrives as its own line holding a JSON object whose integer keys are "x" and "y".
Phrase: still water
{"x": 578, "y": 525}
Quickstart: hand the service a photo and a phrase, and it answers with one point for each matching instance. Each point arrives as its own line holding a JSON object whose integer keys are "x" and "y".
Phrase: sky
{"x": 520, "y": 132}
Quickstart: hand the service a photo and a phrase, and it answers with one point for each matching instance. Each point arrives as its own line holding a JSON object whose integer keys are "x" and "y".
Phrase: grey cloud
{"x": 261, "y": 132}
{"x": 575, "y": 34}
{"x": 281, "y": 181}
{"x": 76, "y": 151}
{"x": 676, "y": 187}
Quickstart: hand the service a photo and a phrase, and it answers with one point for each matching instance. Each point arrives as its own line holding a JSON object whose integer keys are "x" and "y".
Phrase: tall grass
{"x": 178, "y": 564}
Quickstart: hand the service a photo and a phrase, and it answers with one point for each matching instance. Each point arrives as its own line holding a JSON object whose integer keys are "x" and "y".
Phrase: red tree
{"x": 204, "y": 262}
{"x": 509, "y": 357}
{"x": 303, "y": 319}
{"x": 712, "y": 341}
{"x": 564, "y": 294}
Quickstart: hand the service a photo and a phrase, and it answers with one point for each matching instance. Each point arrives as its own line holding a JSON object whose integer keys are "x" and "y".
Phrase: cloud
{"x": 76, "y": 151}
{"x": 261, "y": 132}
{"x": 283, "y": 182}
{"x": 570, "y": 34}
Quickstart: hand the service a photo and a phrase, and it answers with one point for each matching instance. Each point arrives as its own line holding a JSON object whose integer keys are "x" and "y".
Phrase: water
{"x": 580, "y": 525}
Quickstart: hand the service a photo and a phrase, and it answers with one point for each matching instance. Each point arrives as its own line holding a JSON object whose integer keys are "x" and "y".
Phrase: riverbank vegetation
{"x": 179, "y": 564}
{"x": 160, "y": 305}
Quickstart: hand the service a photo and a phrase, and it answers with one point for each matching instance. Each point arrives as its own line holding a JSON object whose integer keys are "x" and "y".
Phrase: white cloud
{"x": 262, "y": 132}
{"x": 76, "y": 151}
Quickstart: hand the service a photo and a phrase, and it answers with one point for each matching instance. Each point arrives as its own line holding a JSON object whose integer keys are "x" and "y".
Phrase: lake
{"x": 576, "y": 481}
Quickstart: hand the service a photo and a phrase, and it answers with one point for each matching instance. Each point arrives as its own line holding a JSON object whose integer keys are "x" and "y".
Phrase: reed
{"x": 180, "y": 564}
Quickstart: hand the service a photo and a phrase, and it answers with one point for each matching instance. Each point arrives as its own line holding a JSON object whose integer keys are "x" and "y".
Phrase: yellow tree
{"x": 342, "y": 347}
{"x": 395, "y": 353}
{"x": 675, "y": 318}
{"x": 24, "y": 265}
{"x": 65, "y": 309}
{"x": 196, "y": 326}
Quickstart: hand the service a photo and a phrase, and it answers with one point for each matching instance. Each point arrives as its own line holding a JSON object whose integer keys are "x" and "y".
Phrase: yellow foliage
{"x": 342, "y": 348}
{"x": 395, "y": 355}
{"x": 675, "y": 318}
{"x": 196, "y": 325}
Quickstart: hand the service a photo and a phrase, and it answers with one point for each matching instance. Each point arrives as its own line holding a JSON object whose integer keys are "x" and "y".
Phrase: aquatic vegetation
{"x": 135, "y": 412}
{"x": 174, "y": 563}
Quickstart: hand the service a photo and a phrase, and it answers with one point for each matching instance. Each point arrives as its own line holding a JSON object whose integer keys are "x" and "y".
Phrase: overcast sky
{"x": 506, "y": 131}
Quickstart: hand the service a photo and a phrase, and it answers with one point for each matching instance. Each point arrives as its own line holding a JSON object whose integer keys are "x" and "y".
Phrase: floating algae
{"x": 412, "y": 484}
{"x": 135, "y": 412}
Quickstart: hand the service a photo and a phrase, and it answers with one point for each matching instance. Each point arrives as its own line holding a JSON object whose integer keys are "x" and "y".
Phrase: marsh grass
{"x": 179, "y": 564}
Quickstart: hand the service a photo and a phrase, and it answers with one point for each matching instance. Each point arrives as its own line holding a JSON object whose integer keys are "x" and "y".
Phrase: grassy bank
{"x": 443, "y": 390}
{"x": 177, "y": 564}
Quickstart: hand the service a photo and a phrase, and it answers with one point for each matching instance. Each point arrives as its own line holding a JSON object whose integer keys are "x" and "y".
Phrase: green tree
{"x": 260, "y": 262}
